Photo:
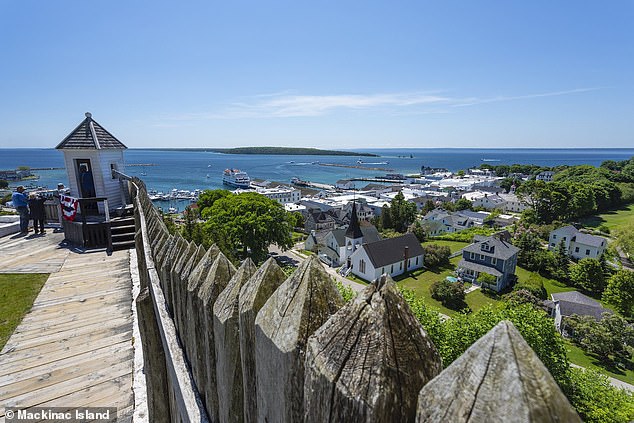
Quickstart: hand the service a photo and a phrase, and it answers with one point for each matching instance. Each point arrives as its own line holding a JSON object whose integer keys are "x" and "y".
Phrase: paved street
{"x": 295, "y": 257}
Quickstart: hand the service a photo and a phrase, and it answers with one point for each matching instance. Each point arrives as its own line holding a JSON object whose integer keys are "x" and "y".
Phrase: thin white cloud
{"x": 476, "y": 101}
{"x": 285, "y": 105}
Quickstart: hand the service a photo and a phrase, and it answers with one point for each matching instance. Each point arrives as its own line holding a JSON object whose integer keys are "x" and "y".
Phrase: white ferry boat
{"x": 236, "y": 178}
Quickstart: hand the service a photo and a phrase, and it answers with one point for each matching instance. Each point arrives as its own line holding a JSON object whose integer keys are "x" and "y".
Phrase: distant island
{"x": 288, "y": 151}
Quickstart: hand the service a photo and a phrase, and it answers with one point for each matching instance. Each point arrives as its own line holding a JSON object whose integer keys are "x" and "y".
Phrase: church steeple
{"x": 354, "y": 231}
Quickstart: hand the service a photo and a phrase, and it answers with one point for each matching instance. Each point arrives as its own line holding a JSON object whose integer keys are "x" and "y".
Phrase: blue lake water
{"x": 203, "y": 170}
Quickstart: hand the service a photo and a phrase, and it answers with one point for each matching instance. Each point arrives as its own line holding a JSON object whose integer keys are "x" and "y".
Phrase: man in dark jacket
{"x": 20, "y": 202}
{"x": 36, "y": 206}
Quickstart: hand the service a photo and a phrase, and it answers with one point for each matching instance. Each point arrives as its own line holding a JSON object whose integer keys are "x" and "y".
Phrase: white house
{"x": 485, "y": 200}
{"x": 391, "y": 256}
{"x": 578, "y": 244}
{"x": 344, "y": 184}
{"x": 513, "y": 203}
{"x": 546, "y": 176}
{"x": 91, "y": 153}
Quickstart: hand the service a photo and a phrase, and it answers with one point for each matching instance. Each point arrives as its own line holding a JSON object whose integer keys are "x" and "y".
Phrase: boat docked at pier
{"x": 236, "y": 178}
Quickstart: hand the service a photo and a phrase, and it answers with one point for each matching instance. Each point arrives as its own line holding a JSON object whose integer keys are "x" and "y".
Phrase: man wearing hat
{"x": 20, "y": 202}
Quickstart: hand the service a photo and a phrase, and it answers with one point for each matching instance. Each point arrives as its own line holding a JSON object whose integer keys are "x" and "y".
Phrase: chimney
{"x": 406, "y": 255}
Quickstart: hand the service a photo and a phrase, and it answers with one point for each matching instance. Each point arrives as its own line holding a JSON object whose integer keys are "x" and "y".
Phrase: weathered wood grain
{"x": 181, "y": 258}
{"x": 196, "y": 278}
{"x": 227, "y": 342}
{"x": 498, "y": 379}
{"x": 153, "y": 360}
{"x": 282, "y": 327}
{"x": 253, "y": 295}
{"x": 368, "y": 362}
{"x": 203, "y": 360}
{"x": 180, "y": 311}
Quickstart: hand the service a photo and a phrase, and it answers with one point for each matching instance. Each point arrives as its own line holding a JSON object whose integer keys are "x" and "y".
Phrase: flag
{"x": 69, "y": 207}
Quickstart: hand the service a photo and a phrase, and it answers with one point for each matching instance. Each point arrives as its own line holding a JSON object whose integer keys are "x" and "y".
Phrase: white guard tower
{"x": 90, "y": 155}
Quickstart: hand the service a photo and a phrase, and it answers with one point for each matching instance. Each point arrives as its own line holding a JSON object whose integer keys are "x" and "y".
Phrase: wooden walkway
{"x": 74, "y": 348}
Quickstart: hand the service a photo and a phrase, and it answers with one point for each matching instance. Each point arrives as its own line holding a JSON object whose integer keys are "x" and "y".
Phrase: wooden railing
{"x": 92, "y": 229}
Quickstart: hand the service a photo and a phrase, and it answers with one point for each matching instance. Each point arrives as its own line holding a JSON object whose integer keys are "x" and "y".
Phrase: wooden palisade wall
{"x": 250, "y": 344}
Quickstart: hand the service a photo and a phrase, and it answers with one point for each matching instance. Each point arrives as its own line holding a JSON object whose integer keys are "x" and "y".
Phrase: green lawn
{"x": 552, "y": 286}
{"x": 17, "y": 293}
{"x": 577, "y": 356}
{"x": 454, "y": 246}
{"x": 612, "y": 219}
{"x": 420, "y": 280}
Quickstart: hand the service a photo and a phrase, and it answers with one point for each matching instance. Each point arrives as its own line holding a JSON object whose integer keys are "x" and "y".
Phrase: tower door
{"x": 85, "y": 178}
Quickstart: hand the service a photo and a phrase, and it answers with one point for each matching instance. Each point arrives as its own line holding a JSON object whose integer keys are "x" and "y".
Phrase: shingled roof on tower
{"x": 354, "y": 231}
{"x": 90, "y": 135}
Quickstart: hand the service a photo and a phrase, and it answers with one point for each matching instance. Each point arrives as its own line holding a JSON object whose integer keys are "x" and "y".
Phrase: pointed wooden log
{"x": 180, "y": 317}
{"x": 196, "y": 278}
{"x": 176, "y": 282}
{"x": 252, "y": 297}
{"x": 369, "y": 361}
{"x": 204, "y": 360}
{"x": 282, "y": 327}
{"x": 227, "y": 341}
{"x": 153, "y": 360}
{"x": 174, "y": 254}
{"x": 498, "y": 379}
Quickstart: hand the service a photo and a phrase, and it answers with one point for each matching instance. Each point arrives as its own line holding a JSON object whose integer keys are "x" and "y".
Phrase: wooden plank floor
{"x": 74, "y": 348}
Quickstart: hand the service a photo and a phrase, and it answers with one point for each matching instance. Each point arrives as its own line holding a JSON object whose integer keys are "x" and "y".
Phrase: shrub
{"x": 436, "y": 255}
{"x": 450, "y": 294}
{"x": 534, "y": 285}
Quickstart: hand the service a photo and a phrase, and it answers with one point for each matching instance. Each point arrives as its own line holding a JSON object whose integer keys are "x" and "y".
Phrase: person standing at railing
{"x": 20, "y": 202}
{"x": 38, "y": 214}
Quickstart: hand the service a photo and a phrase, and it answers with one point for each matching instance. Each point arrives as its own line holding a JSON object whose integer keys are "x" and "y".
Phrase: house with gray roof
{"x": 565, "y": 304}
{"x": 492, "y": 255}
{"x": 391, "y": 256}
{"x": 578, "y": 244}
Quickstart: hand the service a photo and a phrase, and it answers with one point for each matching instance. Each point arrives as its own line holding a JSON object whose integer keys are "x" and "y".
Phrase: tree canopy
{"x": 588, "y": 275}
{"x": 620, "y": 292}
{"x": 399, "y": 215}
{"x": 246, "y": 224}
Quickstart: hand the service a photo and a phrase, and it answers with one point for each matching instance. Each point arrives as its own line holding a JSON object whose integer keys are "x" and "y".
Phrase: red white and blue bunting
{"x": 69, "y": 207}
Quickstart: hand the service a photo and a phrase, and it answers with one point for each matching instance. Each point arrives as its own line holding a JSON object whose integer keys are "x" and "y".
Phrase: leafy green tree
{"x": 463, "y": 204}
{"x": 402, "y": 213}
{"x": 208, "y": 197}
{"x": 461, "y": 331}
{"x": 192, "y": 228}
{"x": 597, "y": 401}
{"x": 450, "y": 294}
{"x": 419, "y": 232}
{"x": 386, "y": 217}
{"x": 436, "y": 255}
{"x": 588, "y": 275}
{"x": 296, "y": 219}
{"x": 247, "y": 224}
{"x": 562, "y": 262}
{"x": 607, "y": 339}
{"x": 169, "y": 223}
{"x": 522, "y": 296}
{"x": 4, "y": 184}
{"x": 427, "y": 207}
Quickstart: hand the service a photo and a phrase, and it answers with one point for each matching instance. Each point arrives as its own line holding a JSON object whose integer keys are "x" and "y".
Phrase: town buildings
{"x": 578, "y": 244}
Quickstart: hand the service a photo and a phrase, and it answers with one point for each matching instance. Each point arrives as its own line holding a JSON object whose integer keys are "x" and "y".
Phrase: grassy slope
{"x": 577, "y": 356}
{"x": 17, "y": 293}
{"x": 613, "y": 219}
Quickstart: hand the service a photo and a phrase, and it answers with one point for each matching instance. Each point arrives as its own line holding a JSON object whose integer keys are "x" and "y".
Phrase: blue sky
{"x": 332, "y": 74}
